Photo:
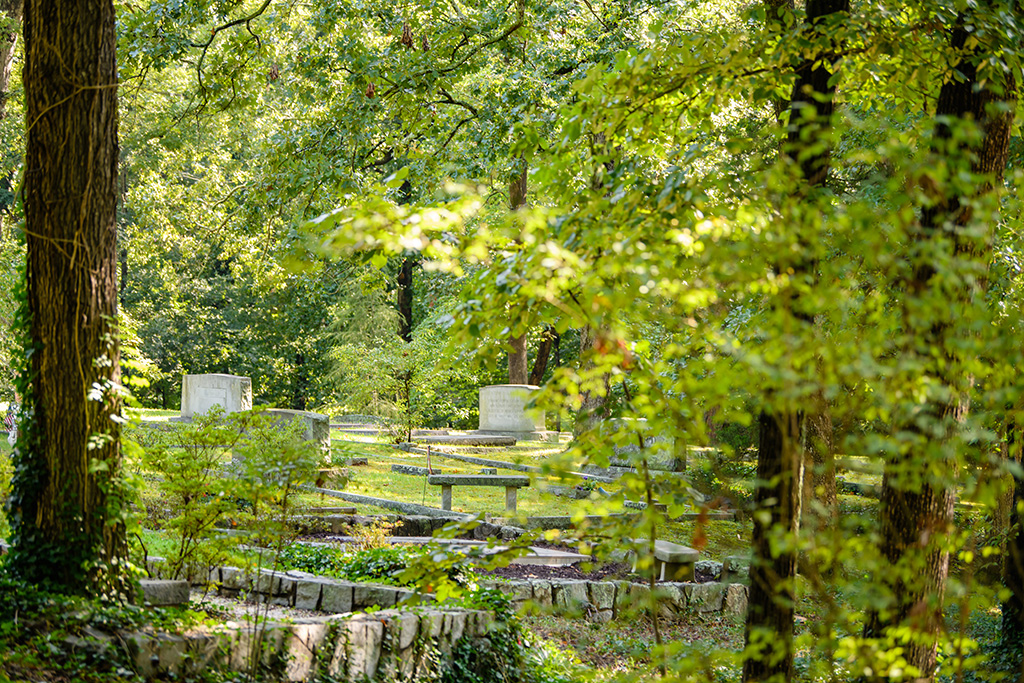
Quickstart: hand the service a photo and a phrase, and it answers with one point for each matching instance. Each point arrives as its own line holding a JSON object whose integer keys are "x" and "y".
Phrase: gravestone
{"x": 503, "y": 411}
{"x": 199, "y": 393}
{"x": 317, "y": 427}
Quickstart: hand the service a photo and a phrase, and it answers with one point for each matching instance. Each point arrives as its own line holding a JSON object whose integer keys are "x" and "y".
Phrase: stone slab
{"x": 404, "y": 508}
{"x": 666, "y": 551}
{"x": 478, "y": 480}
{"x": 415, "y": 471}
{"x": 493, "y": 440}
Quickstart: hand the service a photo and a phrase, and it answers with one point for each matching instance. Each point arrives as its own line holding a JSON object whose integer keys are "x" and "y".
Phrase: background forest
{"x": 792, "y": 227}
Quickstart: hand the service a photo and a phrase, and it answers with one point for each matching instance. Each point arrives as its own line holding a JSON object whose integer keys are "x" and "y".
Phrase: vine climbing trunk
{"x": 67, "y": 531}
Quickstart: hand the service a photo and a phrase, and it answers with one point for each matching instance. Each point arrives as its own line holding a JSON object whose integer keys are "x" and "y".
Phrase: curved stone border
{"x": 608, "y": 600}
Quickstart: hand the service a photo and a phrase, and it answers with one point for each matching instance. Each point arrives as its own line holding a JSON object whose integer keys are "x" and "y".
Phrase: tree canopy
{"x": 796, "y": 218}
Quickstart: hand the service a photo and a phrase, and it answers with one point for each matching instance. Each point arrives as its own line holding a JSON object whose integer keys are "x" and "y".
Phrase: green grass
{"x": 716, "y": 538}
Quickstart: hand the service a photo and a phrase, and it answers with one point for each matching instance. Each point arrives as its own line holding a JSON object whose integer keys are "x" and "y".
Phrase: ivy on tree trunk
{"x": 67, "y": 529}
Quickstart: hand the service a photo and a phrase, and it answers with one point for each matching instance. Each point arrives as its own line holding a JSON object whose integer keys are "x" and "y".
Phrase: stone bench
{"x": 672, "y": 562}
{"x": 511, "y": 482}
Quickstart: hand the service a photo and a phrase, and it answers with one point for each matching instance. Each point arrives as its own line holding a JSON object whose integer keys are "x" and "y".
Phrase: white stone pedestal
{"x": 199, "y": 393}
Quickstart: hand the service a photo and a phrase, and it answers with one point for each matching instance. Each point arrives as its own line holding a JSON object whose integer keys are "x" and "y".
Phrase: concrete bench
{"x": 672, "y": 562}
{"x": 511, "y": 482}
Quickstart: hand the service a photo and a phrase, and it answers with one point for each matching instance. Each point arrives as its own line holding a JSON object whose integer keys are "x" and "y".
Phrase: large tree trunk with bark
{"x": 1013, "y": 559}
{"x": 820, "y": 479}
{"x": 769, "y": 626}
{"x": 405, "y": 293}
{"x": 69, "y": 455}
{"x": 518, "y": 366}
{"x": 593, "y": 405}
{"x": 916, "y": 520}
{"x": 518, "y": 360}
{"x": 540, "y": 363}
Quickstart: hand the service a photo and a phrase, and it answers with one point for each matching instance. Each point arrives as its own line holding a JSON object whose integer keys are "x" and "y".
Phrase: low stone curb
{"x": 396, "y": 645}
{"x": 608, "y": 600}
{"x": 405, "y": 508}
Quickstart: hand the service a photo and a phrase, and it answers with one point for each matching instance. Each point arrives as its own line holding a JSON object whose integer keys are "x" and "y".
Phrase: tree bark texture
{"x": 10, "y": 9}
{"x": 769, "y": 626}
{"x": 913, "y": 522}
{"x": 518, "y": 360}
{"x": 593, "y": 406}
{"x": 820, "y": 480}
{"x": 63, "y": 530}
{"x": 518, "y": 367}
{"x": 1013, "y": 559}
{"x": 540, "y": 363}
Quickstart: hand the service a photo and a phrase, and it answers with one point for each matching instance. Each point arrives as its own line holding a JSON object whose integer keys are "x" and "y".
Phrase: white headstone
{"x": 199, "y": 393}
{"x": 503, "y": 409}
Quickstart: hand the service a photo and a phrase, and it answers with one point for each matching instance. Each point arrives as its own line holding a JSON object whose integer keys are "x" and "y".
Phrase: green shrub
{"x": 6, "y": 470}
{"x": 716, "y": 478}
{"x": 243, "y": 464}
{"x": 389, "y": 564}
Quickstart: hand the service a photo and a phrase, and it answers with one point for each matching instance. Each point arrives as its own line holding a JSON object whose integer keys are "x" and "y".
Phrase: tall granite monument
{"x": 504, "y": 411}
{"x": 199, "y": 393}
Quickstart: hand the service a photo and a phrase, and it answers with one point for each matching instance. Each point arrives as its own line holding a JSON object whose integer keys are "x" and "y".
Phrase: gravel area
{"x": 236, "y": 609}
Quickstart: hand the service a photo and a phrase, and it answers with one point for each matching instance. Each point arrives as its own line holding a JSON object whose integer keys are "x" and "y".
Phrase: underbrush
{"x": 49, "y": 636}
{"x": 388, "y": 565}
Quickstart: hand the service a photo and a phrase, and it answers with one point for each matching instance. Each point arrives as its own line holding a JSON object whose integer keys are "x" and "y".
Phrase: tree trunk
{"x": 769, "y": 626}
{"x": 540, "y": 363}
{"x": 821, "y": 478}
{"x": 518, "y": 368}
{"x": 405, "y": 293}
{"x": 768, "y": 634}
{"x": 518, "y": 360}
{"x": 1013, "y": 559}
{"x": 593, "y": 406}
{"x": 517, "y": 188}
{"x": 914, "y": 522}
{"x": 301, "y": 385}
{"x": 66, "y": 498}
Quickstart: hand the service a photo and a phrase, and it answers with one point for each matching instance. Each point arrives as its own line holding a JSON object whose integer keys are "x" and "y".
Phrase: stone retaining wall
{"x": 598, "y": 600}
{"x": 299, "y": 589}
{"x": 386, "y": 645}
{"x": 607, "y": 600}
